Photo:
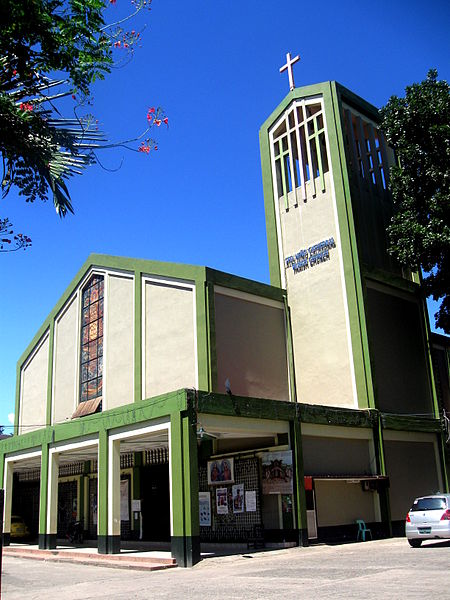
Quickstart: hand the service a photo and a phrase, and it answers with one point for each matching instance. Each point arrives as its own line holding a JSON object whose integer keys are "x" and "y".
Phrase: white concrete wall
{"x": 33, "y": 392}
{"x": 169, "y": 337}
{"x": 65, "y": 362}
{"x": 118, "y": 368}
{"x": 317, "y": 299}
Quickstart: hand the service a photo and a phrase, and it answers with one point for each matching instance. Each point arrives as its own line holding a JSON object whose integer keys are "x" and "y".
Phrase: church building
{"x": 174, "y": 403}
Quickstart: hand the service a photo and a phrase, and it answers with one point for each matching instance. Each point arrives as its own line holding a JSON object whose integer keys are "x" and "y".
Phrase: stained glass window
{"x": 91, "y": 355}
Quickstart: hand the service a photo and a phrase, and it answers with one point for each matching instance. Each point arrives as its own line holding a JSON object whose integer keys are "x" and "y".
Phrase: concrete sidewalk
{"x": 129, "y": 558}
{"x": 387, "y": 569}
{"x": 144, "y": 556}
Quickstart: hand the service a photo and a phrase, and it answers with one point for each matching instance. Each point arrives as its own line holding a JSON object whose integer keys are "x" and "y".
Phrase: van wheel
{"x": 415, "y": 543}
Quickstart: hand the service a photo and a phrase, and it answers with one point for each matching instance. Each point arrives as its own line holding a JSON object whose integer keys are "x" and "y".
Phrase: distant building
{"x": 174, "y": 402}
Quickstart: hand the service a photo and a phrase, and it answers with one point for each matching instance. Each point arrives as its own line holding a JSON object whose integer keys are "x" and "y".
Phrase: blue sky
{"x": 214, "y": 67}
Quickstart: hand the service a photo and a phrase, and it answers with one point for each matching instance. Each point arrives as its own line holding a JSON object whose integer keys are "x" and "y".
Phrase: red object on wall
{"x": 308, "y": 483}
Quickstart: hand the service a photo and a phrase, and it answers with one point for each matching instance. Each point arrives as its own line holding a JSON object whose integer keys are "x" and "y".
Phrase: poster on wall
{"x": 277, "y": 472}
{"x": 222, "y": 501}
{"x": 124, "y": 501}
{"x": 250, "y": 501}
{"x": 221, "y": 470}
{"x": 238, "y": 498}
{"x": 204, "y": 506}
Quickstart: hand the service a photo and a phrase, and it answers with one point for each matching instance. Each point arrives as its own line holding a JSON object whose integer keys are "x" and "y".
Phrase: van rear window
{"x": 429, "y": 504}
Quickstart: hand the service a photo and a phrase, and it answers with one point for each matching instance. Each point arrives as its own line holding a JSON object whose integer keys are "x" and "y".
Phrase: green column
{"x": 43, "y": 498}
{"x": 299, "y": 482}
{"x": 52, "y": 500}
{"x": 8, "y": 490}
{"x": 114, "y": 498}
{"x": 211, "y": 332}
{"x": 102, "y": 492}
{"x": 184, "y": 490}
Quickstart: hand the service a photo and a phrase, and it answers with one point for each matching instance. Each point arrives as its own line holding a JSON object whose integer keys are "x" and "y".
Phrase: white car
{"x": 428, "y": 519}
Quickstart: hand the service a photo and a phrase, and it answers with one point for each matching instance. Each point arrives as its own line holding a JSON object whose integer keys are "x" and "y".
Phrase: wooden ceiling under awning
{"x": 89, "y": 407}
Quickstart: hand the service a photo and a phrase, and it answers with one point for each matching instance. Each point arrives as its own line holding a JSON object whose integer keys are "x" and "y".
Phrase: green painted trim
{"x": 177, "y": 475}
{"x": 203, "y": 342}
{"x": 51, "y": 344}
{"x": 262, "y": 408}
{"x": 102, "y": 483}
{"x": 2, "y": 468}
{"x": 290, "y": 351}
{"x": 190, "y": 468}
{"x": 130, "y": 414}
{"x": 43, "y": 494}
{"x": 327, "y": 415}
{"x": 17, "y": 400}
{"x": 349, "y": 249}
{"x": 410, "y": 423}
{"x": 258, "y": 408}
{"x": 211, "y": 329}
{"x": 243, "y": 285}
{"x": 137, "y": 336}
{"x": 269, "y": 208}
{"x": 184, "y": 467}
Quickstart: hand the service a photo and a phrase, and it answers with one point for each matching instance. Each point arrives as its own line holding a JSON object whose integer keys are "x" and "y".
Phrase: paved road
{"x": 387, "y": 569}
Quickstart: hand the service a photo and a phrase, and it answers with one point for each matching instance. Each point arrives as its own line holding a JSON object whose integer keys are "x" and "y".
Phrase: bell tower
{"x": 355, "y": 315}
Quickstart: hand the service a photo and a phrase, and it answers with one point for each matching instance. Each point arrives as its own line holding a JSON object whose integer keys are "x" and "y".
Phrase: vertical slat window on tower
{"x": 91, "y": 359}
{"x": 368, "y": 152}
{"x": 299, "y": 151}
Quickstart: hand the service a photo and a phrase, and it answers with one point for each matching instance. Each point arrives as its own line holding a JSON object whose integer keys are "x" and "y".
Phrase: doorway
{"x": 155, "y": 494}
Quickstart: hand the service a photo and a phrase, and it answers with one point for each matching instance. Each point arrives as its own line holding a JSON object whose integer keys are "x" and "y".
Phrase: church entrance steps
{"x": 141, "y": 561}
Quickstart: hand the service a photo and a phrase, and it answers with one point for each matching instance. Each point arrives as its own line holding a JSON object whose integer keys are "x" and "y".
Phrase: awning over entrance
{"x": 369, "y": 482}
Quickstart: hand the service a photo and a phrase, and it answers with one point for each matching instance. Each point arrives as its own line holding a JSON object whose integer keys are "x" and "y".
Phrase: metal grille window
{"x": 232, "y": 527}
{"x": 91, "y": 361}
{"x": 299, "y": 151}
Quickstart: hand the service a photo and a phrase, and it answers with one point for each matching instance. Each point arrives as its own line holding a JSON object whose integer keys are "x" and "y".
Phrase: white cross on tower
{"x": 288, "y": 66}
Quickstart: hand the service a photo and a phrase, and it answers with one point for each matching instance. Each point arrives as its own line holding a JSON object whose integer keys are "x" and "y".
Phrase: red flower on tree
{"x": 26, "y": 106}
{"x": 155, "y": 116}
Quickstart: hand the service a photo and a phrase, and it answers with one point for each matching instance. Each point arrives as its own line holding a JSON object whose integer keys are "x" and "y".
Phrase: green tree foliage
{"x": 418, "y": 128}
{"x": 50, "y": 50}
